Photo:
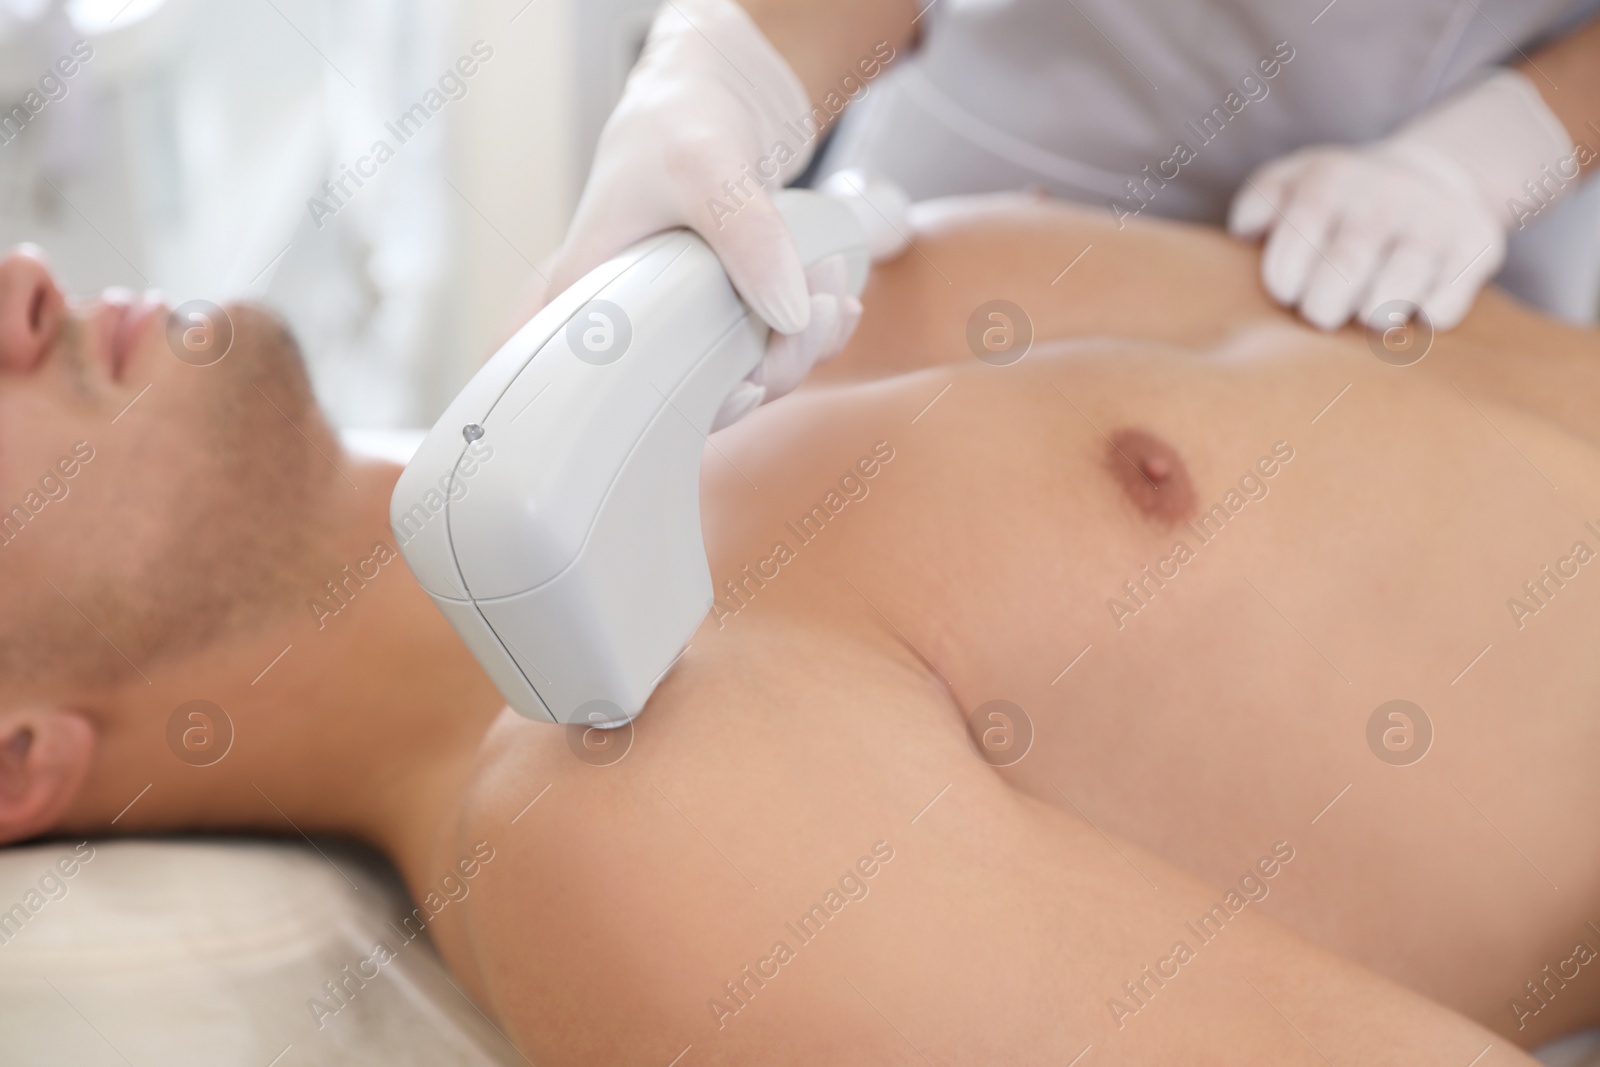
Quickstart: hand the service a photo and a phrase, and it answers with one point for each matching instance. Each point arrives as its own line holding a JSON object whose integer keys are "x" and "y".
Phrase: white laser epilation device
{"x": 553, "y": 512}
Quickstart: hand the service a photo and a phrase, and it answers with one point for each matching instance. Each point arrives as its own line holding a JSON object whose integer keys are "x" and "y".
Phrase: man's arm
{"x": 1567, "y": 74}
{"x": 823, "y": 40}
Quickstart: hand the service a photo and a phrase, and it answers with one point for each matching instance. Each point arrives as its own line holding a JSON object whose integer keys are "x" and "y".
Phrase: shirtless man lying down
{"x": 1193, "y": 549}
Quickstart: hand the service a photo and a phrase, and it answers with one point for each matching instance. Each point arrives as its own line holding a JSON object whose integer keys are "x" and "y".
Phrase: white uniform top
{"x": 1080, "y": 96}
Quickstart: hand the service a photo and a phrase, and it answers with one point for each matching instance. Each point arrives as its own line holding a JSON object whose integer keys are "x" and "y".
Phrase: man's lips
{"x": 127, "y": 320}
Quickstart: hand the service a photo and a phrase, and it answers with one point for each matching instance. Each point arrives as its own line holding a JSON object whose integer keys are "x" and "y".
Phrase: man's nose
{"x": 30, "y": 310}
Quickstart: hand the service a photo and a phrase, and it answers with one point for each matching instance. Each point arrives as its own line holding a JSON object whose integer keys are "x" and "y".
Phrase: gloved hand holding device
{"x": 696, "y": 127}
{"x": 1421, "y": 216}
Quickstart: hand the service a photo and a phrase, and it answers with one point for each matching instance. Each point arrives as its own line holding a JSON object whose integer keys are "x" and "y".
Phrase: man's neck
{"x": 360, "y": 713}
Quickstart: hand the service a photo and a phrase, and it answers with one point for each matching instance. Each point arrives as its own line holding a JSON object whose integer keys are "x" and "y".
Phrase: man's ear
{"x": 44, "y": 758}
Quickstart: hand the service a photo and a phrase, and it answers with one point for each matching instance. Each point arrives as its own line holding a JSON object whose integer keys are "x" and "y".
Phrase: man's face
{"x": 147, "y": 504}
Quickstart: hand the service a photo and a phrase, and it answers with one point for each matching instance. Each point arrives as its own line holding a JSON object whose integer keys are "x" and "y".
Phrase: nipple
{"x": 1152, "y": 473}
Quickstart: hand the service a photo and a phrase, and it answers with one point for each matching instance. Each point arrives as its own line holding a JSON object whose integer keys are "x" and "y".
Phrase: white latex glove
{"x": 1421, "y": 216}
{"x": 698, "y": 125}
{"x": 790, "y": 357}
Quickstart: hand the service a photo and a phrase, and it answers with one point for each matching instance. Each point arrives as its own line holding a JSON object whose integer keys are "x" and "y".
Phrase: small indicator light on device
{"x": 471, "y": 431}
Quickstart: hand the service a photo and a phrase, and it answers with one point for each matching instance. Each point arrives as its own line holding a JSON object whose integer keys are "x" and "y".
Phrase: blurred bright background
{"x": 185, "y": 154}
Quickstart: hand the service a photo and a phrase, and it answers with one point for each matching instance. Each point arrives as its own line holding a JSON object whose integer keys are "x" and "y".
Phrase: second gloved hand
{"x": 1420, "y": 217}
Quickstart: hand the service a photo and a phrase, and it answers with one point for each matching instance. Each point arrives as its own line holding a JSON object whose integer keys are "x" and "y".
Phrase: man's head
{"x": 149, "y": 507}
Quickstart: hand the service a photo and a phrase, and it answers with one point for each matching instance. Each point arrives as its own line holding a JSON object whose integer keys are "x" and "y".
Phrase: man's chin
{"x": 259, "y": 327}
